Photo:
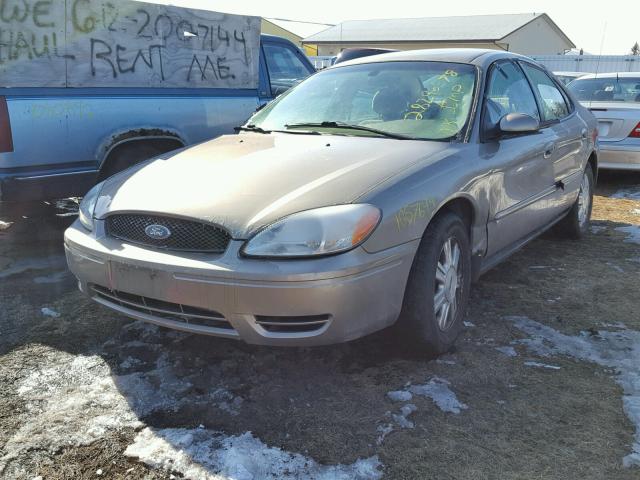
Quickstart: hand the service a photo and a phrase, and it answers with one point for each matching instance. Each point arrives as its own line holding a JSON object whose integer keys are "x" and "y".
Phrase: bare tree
{"x": 635, "y": 50}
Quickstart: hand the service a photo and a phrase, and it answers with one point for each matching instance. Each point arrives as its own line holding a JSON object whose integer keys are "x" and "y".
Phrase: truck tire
{"x": 437, "y": 291}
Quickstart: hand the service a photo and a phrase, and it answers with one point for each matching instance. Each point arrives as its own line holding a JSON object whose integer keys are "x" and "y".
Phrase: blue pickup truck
{"x": 58, "y": 142}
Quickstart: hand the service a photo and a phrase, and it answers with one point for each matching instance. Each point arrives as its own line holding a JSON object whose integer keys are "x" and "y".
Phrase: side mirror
{"x": 518, "y": 123}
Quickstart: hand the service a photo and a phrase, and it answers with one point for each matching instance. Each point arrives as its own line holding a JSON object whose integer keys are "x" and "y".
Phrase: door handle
{"x": 584, "y": 134}
{"x": 549, "y": 149}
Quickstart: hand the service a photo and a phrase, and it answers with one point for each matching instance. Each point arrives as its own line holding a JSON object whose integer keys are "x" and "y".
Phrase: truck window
{"x": 285, "y": 68}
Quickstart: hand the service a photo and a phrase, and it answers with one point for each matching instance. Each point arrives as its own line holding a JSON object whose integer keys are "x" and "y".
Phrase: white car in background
{"x": 568, "y": 77}
{"x": 614, "y": 98}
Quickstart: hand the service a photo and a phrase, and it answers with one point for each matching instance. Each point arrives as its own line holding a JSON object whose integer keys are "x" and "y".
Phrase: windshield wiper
{"x": 256, "y": 129}
{"x": 251, "y": 128}
{"x": 350, "y": 127}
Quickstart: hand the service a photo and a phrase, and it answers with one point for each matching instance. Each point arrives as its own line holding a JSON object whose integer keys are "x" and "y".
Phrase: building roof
{"x": 301, "y": 29}
{"x": 429, "y": 29}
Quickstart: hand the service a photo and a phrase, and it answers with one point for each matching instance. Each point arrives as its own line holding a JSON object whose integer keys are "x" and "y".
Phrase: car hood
{"x": 244, "y": 182}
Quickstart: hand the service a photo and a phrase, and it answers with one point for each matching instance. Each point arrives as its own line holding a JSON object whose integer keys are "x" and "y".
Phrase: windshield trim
{"x": 462, "y": 136}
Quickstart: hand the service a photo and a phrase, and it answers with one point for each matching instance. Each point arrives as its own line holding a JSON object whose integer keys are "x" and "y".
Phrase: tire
{"x": 421, "y": 325}
{"x": 576, "y": 223}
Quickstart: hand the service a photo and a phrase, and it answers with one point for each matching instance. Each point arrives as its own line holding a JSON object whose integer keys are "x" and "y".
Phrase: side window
{"x": 285, "y": 68}
{"x": 508, "y": 92}
{"x": 554, "y": 105}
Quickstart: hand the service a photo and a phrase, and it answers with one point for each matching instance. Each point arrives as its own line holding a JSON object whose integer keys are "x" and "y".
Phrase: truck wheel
{"x": 126, "y": 157}
{"x": 437, "y": 292}
{"x": 576, "y": 223}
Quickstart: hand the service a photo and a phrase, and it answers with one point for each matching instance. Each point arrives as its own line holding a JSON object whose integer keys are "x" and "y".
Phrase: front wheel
{"x": 576, "y": 223}
{"x": 437, "y": 292}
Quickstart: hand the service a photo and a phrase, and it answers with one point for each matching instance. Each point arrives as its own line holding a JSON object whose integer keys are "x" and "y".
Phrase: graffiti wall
{"x": 124, "y": 43}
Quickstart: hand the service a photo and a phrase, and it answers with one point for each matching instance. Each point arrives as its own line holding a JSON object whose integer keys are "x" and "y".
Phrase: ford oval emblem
{"x": 157, "y": 232}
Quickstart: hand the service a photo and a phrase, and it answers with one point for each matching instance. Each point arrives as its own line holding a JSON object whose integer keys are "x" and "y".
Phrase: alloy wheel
{"x": 448, "y": 284}
{"x": 584, "y": 200}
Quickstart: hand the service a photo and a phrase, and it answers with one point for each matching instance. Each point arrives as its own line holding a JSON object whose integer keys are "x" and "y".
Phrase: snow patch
{"x": 468, "y": 324}
{"x": 383, "y": 431}
{"x": 399, "y": 396}
{"x": 633, "y": 233}
{"x": 445, "y": 362}
{"x": 618, "y": 350}
{"x": 542, "y": 365}
{"x": 75, "y": 400}
{"x": 130, "y": 362}
{"x": 56, "y": 277}
{"x": 508, "y": 351}
{"x": 5, "y": 225}
{"x": 597, "y": 228}
{"x": 437, "y": 389}
{"x": 614, "y": 325}
{"x": 400, "y": 419}
{"x": 72, "y": 402}
{"x": 617, "y": 268}
{"x": 25, "y": 265}
{"x": 48, "y": 312}
{"x": 627, "y": 194}
{"x": 210, "y": 455}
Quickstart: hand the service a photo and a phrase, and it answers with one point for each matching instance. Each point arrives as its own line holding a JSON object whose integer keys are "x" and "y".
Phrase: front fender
{"x": 411, "y": 203}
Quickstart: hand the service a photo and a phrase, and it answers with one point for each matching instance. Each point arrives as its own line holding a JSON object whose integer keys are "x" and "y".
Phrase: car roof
{"x": 572, "y": 74}
{"x": 476, "y": 56}
{"x": 612, "y": 75}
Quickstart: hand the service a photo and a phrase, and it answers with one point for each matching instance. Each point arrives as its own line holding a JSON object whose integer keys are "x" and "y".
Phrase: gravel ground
{"x": 544, "y": 382}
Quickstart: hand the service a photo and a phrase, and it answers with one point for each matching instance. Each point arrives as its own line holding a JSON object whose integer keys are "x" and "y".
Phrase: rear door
{"x": 569, "y": 150}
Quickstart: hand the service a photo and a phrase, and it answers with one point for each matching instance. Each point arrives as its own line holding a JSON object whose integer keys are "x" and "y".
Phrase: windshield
{"x": 606, "y": 89}
{"x": 418, "y": 100}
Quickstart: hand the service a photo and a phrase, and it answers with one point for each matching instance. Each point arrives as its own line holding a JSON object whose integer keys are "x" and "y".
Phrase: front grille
{"x": 305, "y": 324}
{"x": 186, "y": 235}
{"x": 161, "y": 309}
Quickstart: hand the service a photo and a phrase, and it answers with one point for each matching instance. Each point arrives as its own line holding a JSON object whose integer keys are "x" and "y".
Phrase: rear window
{"x": 606, "y": 89}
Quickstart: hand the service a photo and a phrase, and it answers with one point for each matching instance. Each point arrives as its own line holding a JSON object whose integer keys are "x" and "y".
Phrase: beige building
{"x": 526, "y": 33}
{"x": 294, "y": 31}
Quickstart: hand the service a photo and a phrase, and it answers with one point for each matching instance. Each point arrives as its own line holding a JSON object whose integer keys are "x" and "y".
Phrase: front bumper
{"x": 310, "y": 302}
{"x": 623, "y": 155}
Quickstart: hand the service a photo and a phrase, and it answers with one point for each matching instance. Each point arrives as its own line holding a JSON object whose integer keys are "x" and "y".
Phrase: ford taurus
{"x": 370, "y": 195}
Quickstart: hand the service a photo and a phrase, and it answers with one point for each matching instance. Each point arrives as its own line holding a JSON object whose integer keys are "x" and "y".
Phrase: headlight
{"x": 322, "y": 231}
{"x": 88, "y": 205}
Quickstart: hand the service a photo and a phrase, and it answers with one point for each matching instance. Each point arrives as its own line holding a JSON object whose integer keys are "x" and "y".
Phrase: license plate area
{"x": 138, "y": 280}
